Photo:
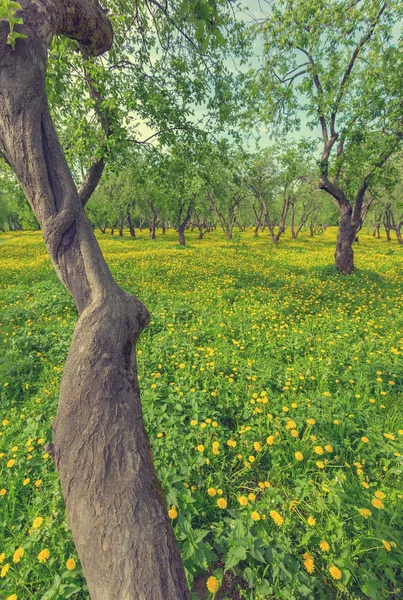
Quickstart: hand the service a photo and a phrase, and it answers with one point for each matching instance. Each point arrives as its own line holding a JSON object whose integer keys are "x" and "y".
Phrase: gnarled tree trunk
{"x": 344, "y": 254}
{"x": 114, "y": 501}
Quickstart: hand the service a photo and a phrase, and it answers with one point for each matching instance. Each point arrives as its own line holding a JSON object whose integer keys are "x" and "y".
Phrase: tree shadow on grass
{"x": 330, "y": 272}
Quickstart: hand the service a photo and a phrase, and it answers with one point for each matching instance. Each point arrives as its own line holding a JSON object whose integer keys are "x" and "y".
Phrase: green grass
{"x": 255, "y": 340}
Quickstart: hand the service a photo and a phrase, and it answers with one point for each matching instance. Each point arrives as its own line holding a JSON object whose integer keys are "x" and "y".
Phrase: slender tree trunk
{"x": 121, "y": 228}
{"x": 182, "y": 226}
{"x": 131, "y": 228}
{"x": 163, "y": 227}
{"x": 181, "y": 236}
{"x": 399, "y": 235}
{"x": 114, "y": 502}
{"x": 153, "y": 226}
{"x": 293, "y": 234}
{"x": 112, "y": 230}
{"x": 344, "y": 254}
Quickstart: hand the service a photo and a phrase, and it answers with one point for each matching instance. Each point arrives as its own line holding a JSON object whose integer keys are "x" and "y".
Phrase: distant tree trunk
{"x": 153, "y": 227}
{"x": 153, "y": 223}
{"x": 258, "y": 220}
{"x": 121, "y": 227}
{"x": 112, "y": 230}
{"x": 182, "y": 226}
{"x": 399, "y": 235}
{"x": 141, "y": 225}
{"x": 293, "y": 234}
{"x": 182, "y": 239}
{"x": 163, "y": 227}
{"x": 131, "y": 228}
{"x": 103, "y": 229}
{"x": 114, "y": 502}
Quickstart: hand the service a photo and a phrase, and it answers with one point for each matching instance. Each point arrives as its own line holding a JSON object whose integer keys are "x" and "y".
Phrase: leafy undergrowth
{"x": 272, "y": 390}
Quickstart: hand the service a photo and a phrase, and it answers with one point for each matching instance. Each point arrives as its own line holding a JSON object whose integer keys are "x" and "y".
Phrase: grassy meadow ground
{"x": 272, "y": 392}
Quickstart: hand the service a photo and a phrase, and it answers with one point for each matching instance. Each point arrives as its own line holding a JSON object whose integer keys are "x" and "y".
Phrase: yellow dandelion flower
{"x": 309, "y": 563}
{"x": 365, "y": 439}
{"x": 380, "y": 495}
{"x": 252, "y": 497}
{"x": 200, "y": 448}
{"x": 222, "y": 503}
{"x": 329, "y": 448}
{"x": 277, "y": 518}
{"x": 172, "y": 513}
{"x": 365, "y": 484}
{"x": 311, "y": 421}
{"x": 212, "y": 584}
{"x": 255, "y": 516}
{"x": 37, "y": 522}
{"x": 193, "y": 422}
{"x": 243, "y": 501}
{"x": 377, "y": 503}
{"x": 11, "y": 463}
{"x": 43, "y": 555}
{"x": 257, "y": 446}
{"x": 365, "y": 512}
{"x": 3, "y": 492}
{"x": 70, "y": 564}
{"x": 311, "y": 521}
{"x": 212, "y": 491}
{"x": 2, "y": 557}
{"x": 335, "y": 572}
{"x": 318, "y": 450}
{"x": 18, "y": 554}
{"x": 387, "y": 545}
{"x": 270, "y": 440}
{"x": 324, "y": 546}
{"x": 320, "y": 464}
{"x": 4, "y": 570}
{"x": 299, "y": 456}
{"x": 12, "y": 597}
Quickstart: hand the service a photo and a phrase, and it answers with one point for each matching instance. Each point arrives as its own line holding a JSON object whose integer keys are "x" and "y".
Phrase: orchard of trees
{"x": 181, "y": 114}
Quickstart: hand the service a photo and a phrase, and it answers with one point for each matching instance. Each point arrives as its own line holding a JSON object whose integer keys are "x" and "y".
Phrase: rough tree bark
{"x": 344, "y": 255}
{"x": 114, "y": 502}
{"x": 131, "y": 227}
{"x": 182, "y": 224}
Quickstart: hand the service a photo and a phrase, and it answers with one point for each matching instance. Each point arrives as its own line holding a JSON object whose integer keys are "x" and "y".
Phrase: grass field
{"x": 272, "y": 391}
